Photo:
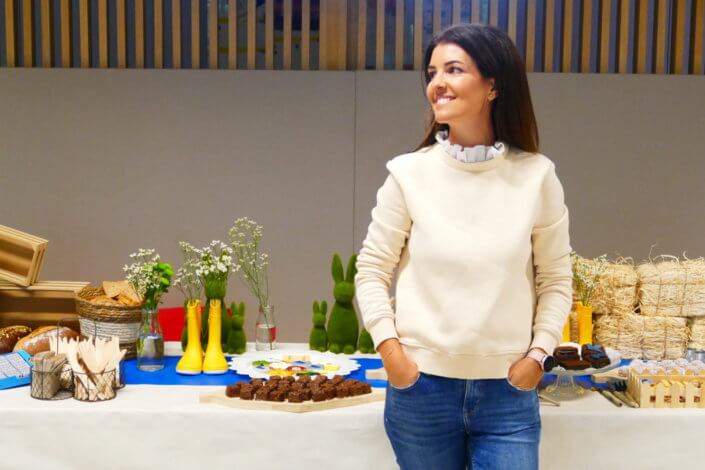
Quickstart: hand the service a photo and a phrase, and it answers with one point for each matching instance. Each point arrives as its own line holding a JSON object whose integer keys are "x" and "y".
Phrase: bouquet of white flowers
{"x": 245, "y": 237}
{"x": 149, "y": 277}
{"x": 213, "y": 266}
{"x": 186, "y": 278}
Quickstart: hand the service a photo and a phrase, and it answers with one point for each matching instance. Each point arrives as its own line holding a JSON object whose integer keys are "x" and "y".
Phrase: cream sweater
{"x": 482, "y": 254}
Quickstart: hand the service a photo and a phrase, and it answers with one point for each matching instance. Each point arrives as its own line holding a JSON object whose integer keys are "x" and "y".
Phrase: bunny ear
{"x": 315, "y": 306}
{"x": 352, "y": 269}
{"x": 324, "y": 307}
{"x": 241, "y": 308}
{"x": 337, "y": 269}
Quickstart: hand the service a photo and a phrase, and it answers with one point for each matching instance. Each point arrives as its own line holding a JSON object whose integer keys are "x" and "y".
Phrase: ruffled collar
{"x": 474, "y": 154}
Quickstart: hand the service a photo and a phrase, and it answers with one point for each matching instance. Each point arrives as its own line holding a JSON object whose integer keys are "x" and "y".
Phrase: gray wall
{"x": 104, "y": 162}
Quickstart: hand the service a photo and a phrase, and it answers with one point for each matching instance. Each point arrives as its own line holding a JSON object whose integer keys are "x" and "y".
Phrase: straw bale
{"x": 672, "y": 287}
{"x": 616, "y": 292}
{"x": 638, "y": 336}
{"x": 697, "y": 333}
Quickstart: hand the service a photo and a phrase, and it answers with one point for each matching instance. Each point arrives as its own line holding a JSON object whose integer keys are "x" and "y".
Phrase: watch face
{"x": 549, "y": 363}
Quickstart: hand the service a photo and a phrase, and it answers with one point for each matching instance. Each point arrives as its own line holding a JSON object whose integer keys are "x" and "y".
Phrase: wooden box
{"x": 667, "y": 390}
{"x": 21, "y": 256}
{"x": 44, "y": 303}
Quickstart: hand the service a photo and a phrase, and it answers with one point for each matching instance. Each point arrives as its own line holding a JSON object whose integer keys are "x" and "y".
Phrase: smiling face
{"x": 458, "y": 93}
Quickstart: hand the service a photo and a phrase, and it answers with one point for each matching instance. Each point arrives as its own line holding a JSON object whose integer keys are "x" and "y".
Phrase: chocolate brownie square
{"x": 337, "y": 379}
{"x": 247, "y": 392}
{"x": 319, "y": 395}
{"x": 262, "y": 393}
{"x": 295, "y": 397}
{"x": 588, "y": 350}
{"x": 599, "y": 360}
{"x": 566, "y": 353}
{"x": 330, "y": 392}
{"x": 233, "y": 390}
{"x": 575, "y": 364}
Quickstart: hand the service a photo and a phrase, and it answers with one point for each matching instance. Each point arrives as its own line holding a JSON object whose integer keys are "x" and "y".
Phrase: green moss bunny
{"x": 318, "y": 339}
{"x": 342, "y": 325}
{"x": 236, "y": 340}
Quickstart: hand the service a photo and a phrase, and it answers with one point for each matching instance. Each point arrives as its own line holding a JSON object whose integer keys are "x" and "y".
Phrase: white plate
{"x": 327, "y": 364}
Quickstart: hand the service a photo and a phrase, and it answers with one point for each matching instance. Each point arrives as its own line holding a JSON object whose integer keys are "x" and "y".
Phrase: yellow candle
{"x": 584, "y": 323}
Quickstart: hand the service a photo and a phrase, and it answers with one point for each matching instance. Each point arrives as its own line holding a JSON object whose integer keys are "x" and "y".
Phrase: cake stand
{"x": 565, "y": 388}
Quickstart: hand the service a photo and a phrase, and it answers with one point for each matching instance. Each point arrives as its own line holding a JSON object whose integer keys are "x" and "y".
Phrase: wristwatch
{"x": 546, "y": 361}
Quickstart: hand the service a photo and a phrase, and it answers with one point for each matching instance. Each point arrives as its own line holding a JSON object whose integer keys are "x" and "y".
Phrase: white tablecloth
{"x": 150, "y": 427}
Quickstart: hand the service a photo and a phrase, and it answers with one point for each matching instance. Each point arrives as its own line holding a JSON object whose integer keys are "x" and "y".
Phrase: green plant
{"x": 586, "y": 275}
{"x": 149, "y": 277}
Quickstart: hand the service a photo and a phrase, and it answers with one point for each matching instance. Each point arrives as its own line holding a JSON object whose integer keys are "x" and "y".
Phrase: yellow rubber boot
{"x": 215, "y": 362}
{"x": 191, "y": 363}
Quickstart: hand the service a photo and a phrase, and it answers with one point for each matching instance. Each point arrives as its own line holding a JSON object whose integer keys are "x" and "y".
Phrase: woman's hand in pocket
{"x": 401, "y": 371}
{"x": 525, "y": 374}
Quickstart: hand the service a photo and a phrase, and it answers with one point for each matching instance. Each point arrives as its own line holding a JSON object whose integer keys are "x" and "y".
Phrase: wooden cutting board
{"x": 219, "y": 398}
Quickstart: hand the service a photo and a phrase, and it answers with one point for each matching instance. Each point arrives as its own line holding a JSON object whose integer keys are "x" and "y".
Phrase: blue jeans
{"x": 447, "y": 424}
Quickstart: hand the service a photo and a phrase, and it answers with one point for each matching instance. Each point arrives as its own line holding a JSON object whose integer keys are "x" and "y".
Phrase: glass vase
{"x": 265, "y": 329}
{"x": 150, "y": 343}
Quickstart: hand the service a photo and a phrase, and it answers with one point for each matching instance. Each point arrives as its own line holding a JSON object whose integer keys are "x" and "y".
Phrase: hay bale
{"x": 616, "y": 292}
{"x": 672, "y": 288}
{"x": 640, "y": 337}
{"x": 697, "y": 333}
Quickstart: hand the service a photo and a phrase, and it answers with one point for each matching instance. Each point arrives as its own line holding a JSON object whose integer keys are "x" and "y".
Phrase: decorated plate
{"x": 612, "y": 354}
{"x": 262, "y": 364}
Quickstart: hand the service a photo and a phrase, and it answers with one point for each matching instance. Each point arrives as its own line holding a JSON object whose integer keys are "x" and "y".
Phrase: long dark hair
{"x": 496, "y": 57}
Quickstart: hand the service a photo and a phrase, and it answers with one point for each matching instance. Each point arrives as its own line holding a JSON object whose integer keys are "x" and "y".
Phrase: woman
{"x": 476, "y": 226}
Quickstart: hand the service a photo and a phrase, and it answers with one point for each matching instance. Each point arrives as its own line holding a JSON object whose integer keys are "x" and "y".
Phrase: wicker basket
{"x": 106, "y": 321}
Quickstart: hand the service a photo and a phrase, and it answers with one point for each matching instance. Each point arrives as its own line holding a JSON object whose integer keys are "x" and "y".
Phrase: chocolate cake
{"x": 588, "y": 350}
{"x": 575, "y": 364}
{"x": 566, "y": 353}
{"x": 599, "y": 360}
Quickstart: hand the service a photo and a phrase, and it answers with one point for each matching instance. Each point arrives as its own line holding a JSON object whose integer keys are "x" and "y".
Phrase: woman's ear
{"x": 493, "y": 92}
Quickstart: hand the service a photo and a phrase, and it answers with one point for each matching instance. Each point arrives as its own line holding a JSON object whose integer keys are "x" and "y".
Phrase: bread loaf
{"x": 38, "y": 340}
{"x": 10, "y": 335}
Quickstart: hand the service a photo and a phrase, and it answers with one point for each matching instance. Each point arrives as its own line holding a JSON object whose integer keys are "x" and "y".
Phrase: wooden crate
{"x": 44, "y": 303}
{"x": 21, "y": 256}
{"x": 685, "y": 391}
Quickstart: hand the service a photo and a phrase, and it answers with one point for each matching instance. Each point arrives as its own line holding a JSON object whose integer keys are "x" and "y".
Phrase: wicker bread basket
{"x": 105, "y": 321}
